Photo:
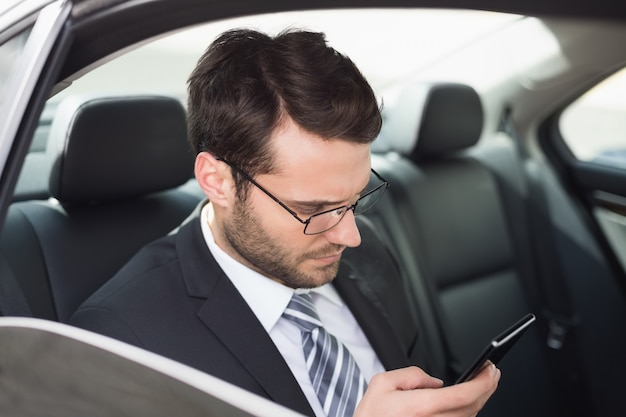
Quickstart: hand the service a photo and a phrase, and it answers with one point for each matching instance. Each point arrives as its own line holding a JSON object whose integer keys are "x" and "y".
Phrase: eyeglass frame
{"x": 307, "y": 221}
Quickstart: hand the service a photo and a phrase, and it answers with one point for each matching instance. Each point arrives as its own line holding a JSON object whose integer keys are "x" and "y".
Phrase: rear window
{"x": 594, "y": 126}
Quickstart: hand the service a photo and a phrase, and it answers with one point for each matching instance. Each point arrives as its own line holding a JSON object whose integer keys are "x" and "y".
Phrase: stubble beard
{"x": 266, "y": 255}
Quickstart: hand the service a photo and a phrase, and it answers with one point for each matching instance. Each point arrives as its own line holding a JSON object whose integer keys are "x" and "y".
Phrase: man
{"x": 282, "y": 130}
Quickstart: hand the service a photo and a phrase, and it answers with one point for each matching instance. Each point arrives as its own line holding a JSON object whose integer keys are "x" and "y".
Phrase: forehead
{"x": 302, "y": 157}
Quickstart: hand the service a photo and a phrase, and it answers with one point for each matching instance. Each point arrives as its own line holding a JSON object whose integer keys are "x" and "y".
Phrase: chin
{"x": 325, "y": 276}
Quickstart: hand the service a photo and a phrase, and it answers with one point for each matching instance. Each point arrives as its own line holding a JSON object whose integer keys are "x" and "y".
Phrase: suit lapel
{"x": 371, "y": 285}
{"x": 377, "y": 328}
{"x": 230, "y": 319}
{"x": 250, "y": 343}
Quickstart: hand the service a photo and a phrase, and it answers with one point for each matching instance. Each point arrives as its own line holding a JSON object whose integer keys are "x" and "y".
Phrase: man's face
{"x": 313, "y": 175}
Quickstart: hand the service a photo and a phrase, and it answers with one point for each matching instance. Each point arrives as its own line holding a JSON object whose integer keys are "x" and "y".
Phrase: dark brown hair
{"x": 246, "y": 81}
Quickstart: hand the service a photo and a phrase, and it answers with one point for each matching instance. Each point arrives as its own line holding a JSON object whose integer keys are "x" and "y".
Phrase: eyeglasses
{"x": 326, "y": 220}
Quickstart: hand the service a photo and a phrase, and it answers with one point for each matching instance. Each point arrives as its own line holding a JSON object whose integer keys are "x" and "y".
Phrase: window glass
{"x": 10, "y": 53}
{"x": 594, "y": 126}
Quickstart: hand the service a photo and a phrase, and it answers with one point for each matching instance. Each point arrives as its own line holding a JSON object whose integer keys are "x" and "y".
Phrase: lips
{"x": 328, "y": 254}
{"x": 328, "y": 258}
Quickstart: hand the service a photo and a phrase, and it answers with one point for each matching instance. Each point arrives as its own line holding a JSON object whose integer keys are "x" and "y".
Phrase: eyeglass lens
{"x": 322, "y": 222}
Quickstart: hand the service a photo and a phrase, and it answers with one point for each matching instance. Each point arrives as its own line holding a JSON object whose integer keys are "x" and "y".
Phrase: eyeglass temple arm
{"x": 260, "y": 187}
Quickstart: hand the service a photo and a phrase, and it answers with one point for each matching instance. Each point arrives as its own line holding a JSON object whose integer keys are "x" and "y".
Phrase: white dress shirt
{"x": 268, "y": 299}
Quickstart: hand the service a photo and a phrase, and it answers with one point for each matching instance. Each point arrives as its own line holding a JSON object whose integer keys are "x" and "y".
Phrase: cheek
{"x": 277, "y": 222}
{"x": 283, "y": 230}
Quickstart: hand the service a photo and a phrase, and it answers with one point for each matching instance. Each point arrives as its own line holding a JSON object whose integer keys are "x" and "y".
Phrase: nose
{"x": 346, "y": 233}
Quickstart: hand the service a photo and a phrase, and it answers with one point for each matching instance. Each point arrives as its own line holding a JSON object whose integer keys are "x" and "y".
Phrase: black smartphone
{"x": 498, "y": 347}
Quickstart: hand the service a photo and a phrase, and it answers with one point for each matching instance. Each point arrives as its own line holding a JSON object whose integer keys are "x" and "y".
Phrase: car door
{"x": 587, "y": 141}
{"x": 29, "y": 30}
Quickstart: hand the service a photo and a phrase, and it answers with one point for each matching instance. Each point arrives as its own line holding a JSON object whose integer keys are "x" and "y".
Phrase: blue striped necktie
{"x": 335, "y": 375}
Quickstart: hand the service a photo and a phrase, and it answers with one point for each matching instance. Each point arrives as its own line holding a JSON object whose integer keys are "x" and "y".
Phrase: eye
{"x": 310, "y": 210}
{"x": 339, "y": 211}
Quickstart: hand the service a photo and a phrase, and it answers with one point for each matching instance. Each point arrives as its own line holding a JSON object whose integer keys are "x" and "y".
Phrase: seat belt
{"x": 557, "y": 309}
{"x": 12, "y": 299}
{"x": 557, "y": 306}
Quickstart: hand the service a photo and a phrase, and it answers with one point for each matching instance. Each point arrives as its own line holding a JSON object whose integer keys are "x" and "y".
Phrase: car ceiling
{"x": 565, "y": 8}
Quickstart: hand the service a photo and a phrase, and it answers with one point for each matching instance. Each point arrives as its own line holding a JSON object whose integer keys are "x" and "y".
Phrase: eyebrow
{"x": 321, "y": 203}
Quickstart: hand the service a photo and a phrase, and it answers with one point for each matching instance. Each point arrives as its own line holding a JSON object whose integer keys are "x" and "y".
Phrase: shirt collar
{"x": 267, "y": 298}
{"x": 329, "y": 292}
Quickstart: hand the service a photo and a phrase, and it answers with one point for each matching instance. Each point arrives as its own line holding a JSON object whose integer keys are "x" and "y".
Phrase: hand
{"x": 411, "y": 392}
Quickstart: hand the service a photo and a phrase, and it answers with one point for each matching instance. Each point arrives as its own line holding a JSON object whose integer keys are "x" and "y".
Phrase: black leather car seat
{"x": 119, "y": 169}
{"x": 446, "y": 218}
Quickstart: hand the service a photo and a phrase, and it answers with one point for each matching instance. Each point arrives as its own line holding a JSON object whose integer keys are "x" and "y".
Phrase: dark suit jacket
{"x": 172, "y": 298}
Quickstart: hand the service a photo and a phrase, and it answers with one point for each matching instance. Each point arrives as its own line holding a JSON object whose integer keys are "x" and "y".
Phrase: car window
{"x": 10, "y": 53}
{"x": 594, "y": 126}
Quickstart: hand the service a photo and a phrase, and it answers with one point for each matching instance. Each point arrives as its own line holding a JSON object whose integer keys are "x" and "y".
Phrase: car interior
{"x": 483, "y": 231}
{"x": 121, "y": 190}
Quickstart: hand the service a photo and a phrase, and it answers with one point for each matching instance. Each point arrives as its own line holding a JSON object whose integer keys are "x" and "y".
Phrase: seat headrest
{"x": 107, "y": 148}
{"x": 430, "y": 120}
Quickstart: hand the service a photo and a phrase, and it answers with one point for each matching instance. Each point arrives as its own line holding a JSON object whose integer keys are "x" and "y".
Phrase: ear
{"x": 215, "y": 179}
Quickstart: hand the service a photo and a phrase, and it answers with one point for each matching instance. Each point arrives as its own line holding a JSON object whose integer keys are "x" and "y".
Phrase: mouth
{"x": 326, "y": 255}
{"x": 328, "y": 258}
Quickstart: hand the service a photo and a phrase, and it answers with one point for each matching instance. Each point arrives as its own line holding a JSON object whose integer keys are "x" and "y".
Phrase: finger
{"x": 490, "y": 373}
{"x": 404, "y": 379}
{"x": 472, "y": 395}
